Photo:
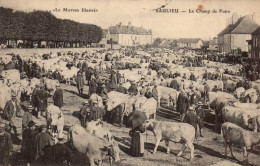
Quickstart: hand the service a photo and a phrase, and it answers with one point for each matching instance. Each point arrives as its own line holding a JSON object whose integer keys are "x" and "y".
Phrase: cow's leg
{"x": 182, "y": 150}
{"x": 231, "y": 150}
{"x": 158, "y": 139}
{"x": 225, "y": 144}
{"x": 167, "y": 145}
{"x": 91, "y": 159}
{"x": 245, "y": 155}
{"x": 191, "y": 146}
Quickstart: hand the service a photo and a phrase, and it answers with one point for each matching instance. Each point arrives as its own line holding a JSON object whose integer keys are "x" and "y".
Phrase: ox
{"x": 172, "y": 131}
{"x": 91, "y": 145}
{"x": 236, "y": 135}
{"x": 236, "y": 116}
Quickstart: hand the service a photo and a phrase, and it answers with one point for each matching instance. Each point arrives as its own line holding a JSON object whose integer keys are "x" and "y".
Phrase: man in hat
{"x": 6, "y": 145}
{"x": 80, "y": 83}
{"x": 183, "y": 104}
{"x": 42, "y": 139}
{"x": 58, "y": 97}
{"x": 12, "y": 110}
{"x": 201, "y": 115}
{"x": 42, "y": 96}
{"x": 93, "y": 86}
{"x": 84, "y": 114}
{"x": 34, "y": 95}
{"x": 27, "y": 142}
{"x": 27, "y": 117}
{"x": 133, "y": 89}
{"x": 113, "y": 80}
{"x": 192, "y": 118}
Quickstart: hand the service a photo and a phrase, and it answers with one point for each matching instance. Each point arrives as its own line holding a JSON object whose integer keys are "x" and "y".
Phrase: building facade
{"x": 193, "y": 43}
{"x": 255, "y": 44}
{"x": 233, "y": 39}
{"x": 213, "y": 44}
{"x": 130, "y": 35}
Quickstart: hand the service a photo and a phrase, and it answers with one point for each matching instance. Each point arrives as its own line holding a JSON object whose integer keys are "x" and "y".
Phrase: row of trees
{"x": 40, "y": 26}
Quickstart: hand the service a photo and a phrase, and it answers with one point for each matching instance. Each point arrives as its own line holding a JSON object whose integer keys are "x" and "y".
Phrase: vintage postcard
{"x": 130, "y": 82}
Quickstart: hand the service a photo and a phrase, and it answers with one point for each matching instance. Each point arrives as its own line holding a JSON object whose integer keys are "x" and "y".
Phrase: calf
{"x": 172, "y": 131}
{"x": 245, "y": 139}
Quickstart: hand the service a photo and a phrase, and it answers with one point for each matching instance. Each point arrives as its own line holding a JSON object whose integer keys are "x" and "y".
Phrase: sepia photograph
{"x": 129, "y": 82}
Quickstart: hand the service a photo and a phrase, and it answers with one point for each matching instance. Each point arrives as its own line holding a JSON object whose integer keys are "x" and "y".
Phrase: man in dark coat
{"x": 12, "y": 110}
{"x": 175, "y": 85}
{"x": 27, "y": 117}
{"x": 58, "y": 97}
{"x": 34, "y": 94}
{"x": 88, "y": 74}
{"x": 239, "y": 84}
{"x": 84, "y": 114}
{"x": 113, "y": 80}
{"x": 80, "y": 83}
{"x": 42, "y": 97}
{"x": 93, "y": 86}
{"x": 182, "y": 105}
{"x": 201, "y": 115}
{"x": 192, "y": 119}
{"x": 84, "y": 66}
{"x": 79, "y": 65}
{"x": 27, "y": 142}
{"x": 41, "y": 141}
{"x": 133, "y": 89}
{"x": 6, "y": 145}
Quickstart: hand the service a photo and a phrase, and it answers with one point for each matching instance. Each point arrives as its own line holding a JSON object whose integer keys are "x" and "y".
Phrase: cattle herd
{"x": 222, "y": 88}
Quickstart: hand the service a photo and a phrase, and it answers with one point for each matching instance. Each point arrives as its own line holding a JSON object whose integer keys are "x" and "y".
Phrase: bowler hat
{"x": 31, "y": 123}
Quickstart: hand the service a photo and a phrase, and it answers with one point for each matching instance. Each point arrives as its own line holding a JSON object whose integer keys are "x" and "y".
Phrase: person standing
{"x": 192, "y": 118}
{"x": 6, "y": 145}
{"x": 93, "y": 86}
{"x": 96, "y": 112}
{"x": 27, "y": 142}
{"x": 113, "y": 80}
{"x": 80, "y": 83}
{"x": 182, "y": 105}
{"x": 42, "y": 139}
{"x": 133, "y": 89}
{"x": 42, "y": 97}
{"x": 201, "y": 115}
{"x": 137, "y": 141}
{"x": 34, "y": 101}
{"x": 27, "y": 117}
{"x": 84, "y": 114}
{"x": 58, "y": 97}
{"x": 12, "y": 110}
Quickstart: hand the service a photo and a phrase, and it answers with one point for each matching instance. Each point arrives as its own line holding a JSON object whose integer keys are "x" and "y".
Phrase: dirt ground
{"x": 208, "y": 149}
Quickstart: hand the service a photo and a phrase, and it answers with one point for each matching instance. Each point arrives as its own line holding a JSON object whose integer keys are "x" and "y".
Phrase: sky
{"x": 140, "y": 13}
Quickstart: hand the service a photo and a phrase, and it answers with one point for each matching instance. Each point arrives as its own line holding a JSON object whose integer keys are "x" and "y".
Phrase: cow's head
{"x": 148, "y": 124}
{"x": 246, "y": 119}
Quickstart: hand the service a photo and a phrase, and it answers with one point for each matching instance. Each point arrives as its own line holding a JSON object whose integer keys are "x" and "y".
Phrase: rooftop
{"x": 129, "y": 29}
{"x": 188, "y": 40}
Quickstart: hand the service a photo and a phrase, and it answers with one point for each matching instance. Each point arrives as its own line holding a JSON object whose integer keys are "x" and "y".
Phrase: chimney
{"x": 253, "y": 16}
{"x": 129, "y": 24}
{"x": 234, "y": 18}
